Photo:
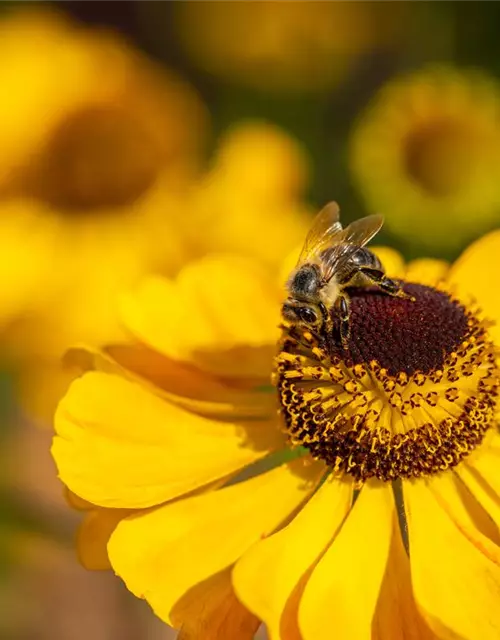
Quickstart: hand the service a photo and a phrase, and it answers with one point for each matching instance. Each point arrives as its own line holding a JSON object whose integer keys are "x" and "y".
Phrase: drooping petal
{"x": 397, "y": 615}
{"x": 211, "y": 611}
{"x": 480, "y": 474}
{"x": 341, "y": 595}
{"x": 475, "y": 274}
{"x": 98, "y": 524}
{"x": 455, "y": 568}
{"x": 217, "y": 308}
{"x": 426, "y": 271}
{"x": 177, "y": 382}
{"x": 119, "y": 445}
{"x": 163, "y": 554}
{"x": 270, "y": 577}
{"x": 93, "y": 536}
{"x": 76, "y": 502}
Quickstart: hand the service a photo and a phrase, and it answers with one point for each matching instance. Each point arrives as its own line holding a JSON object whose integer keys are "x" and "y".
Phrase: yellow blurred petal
{"x": 40, "y": 386}
{"x": 26, "y": 259}
{"x": 143, "y": 450}
{"x": 270, "y": 577}
{"x": 426, "y": 271}
{"x": 344, "y": 587}
{"x": 475, "y": 274}
{"x": 76, "y": 502}
{"x": 455, "y": 568}
{"x": 392, "y": 260}
{"x": 93, "y": 536}
{"x": 220, "y": 314}
{"x": 397, "y": 615}
{"x": 211, "y": 611}
{"x": 287, "y": 266}
{"x": 263, "y": 161}
{"x": 245, "y": 225}
{"x": 163, "y": 554}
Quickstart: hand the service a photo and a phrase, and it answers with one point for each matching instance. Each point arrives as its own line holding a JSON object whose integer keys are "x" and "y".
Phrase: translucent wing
{"x": 356, "y": 235}
{"x": 361, "y": 231}
{"x": 325, "y": 231}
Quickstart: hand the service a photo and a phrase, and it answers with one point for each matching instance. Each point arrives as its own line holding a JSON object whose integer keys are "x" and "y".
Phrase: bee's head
{"x": 302, "y": 313}
{"x": 305, "y": 282}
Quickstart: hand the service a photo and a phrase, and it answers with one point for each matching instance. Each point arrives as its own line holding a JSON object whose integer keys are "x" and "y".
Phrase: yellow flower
{"x": 98, "y": 148}
{"x": 251, "y": 201}
{"x": 279, "y": 46}
{"x": 369, "y": 509}
{"x": 426, "y": 154}
{"x": 91, "y": 171}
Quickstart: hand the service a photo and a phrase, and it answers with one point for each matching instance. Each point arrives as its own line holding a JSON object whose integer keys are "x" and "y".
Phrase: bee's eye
{"x": 308, "y": 315}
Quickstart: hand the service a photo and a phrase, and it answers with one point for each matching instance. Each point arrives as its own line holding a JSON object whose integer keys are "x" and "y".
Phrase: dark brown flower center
{"x": 99, "y": 157}
{"x": 400, "y": 334}
{"x": 413, "y": 395}
{"x": 438, "y": 156}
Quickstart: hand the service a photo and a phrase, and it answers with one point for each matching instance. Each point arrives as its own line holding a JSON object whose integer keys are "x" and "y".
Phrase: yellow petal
{"x": 211, "y": 611}
{"x": 221, "y": 314}
{"x": 344, "y": 587}
{"x": 426, "y": 271}
{"x": 392, "y": 260}
{"x": 397, "y": 615}
{"x": 93, "y": 536}
{"x": 263, "y": 161}
{"x": 475, "y": 274}
{"x": 480, "y": 474}
{"x": 98, "y": 525}
{"x": 163, "y": 554}
{"x": 119, "y": 445}
{"x": 270, "y": 577}
{"x": 76, "y": 502}
{"x": 455, "y": 568}
{"x": 177, "y": 382}
{"x": 40, "y": 385}
{"x": 29, "y": 241}
{"x": 287, "y": 266}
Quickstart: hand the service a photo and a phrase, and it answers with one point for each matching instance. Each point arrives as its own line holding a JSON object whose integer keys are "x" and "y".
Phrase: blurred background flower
{"x": 137, "y": 137}
{"x": 426, "y": 153}
{"x": 97, "y": 148}
{"x": 280, "y": 46}
{"x": 251, "y": 200}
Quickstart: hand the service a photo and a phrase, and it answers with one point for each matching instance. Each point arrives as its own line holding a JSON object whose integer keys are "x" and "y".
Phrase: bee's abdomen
{"x": 365, "y": 258}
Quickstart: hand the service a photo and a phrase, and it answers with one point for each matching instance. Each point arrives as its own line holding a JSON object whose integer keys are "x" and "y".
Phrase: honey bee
{"x": 332, "y": 259}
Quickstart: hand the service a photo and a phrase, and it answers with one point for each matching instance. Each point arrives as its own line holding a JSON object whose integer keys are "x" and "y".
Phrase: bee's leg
{"x": 387, "y": 285}
{"x": 326, "y": 320}
{"x": 342, "y": 307}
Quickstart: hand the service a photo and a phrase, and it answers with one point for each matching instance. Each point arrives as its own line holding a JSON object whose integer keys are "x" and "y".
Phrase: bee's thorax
{"x": 330, "y": 292}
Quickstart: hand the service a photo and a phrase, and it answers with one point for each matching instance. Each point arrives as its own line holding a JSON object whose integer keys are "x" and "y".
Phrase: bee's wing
{"x": 325, "y": 231}
{"x": 361, "y": 231}
{"x": 356, "y": 235}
